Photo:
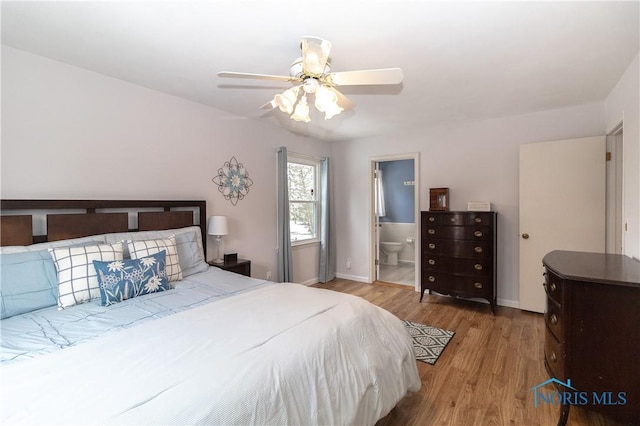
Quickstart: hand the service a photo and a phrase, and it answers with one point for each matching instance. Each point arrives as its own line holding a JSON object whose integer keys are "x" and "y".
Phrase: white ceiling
{"x": 461, "y": 60}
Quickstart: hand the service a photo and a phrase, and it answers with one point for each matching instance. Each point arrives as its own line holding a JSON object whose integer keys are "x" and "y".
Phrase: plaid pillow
{"x": 138, "y": 249}
{"x": 77, "y": 279}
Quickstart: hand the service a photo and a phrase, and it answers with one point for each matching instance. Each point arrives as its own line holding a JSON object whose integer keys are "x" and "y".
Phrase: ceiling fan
{"x": 312, "y": 75}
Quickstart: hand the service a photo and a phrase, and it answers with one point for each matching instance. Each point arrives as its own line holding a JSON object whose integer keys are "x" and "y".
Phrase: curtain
{"x": 327, "y": 253}
{"x": 285, "y": 271}
{"x": 380, "y": 210}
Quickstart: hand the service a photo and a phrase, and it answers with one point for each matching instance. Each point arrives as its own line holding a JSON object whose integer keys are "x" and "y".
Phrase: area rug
{"x": 428, "y": 342}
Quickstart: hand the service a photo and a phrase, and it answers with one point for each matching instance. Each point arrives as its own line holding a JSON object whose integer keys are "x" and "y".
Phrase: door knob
{"x": 525, "y": 236}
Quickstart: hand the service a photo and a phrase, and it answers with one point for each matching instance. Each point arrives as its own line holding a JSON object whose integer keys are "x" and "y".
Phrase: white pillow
{"x": 77, "y": 278}
{"x": 140, "y": 249}
{"x": 188, "y": 243}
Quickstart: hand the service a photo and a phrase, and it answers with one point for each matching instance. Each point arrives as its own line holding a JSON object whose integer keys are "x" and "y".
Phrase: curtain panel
{"x": 285, "y": 267}
{"x": 327, "y": 268}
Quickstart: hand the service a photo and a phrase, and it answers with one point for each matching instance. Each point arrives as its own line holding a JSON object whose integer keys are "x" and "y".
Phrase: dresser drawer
{"x": 431, "y": 218}
{"x": 472, "y": 249}
{"x": 554, "y": 356}
{"x": 444, "y": 218}
{"x": 479, "y": 219}
{"x": 456, "y": 284}
{"x": 553, "y": 318}
{"x": 553, "y": 286}
{"x": 482, "y": 233}
{"x": 458, "y": 265}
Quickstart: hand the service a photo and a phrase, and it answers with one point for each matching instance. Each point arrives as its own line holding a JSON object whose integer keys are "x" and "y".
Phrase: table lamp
{"x": 218, "y": 227}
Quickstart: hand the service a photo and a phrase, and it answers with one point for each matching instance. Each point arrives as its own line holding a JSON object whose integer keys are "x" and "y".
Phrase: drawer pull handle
{"x": 554, "y": 319}
{"x": 431, "y": 231}
{"x": 553, "y": 357}
{"x": 432, "y": 278}
{"x": 432, "y": 245}
{"x": 478, "y": 220}
{"x": 453, "y": 219}
{"x": 432, "y": 219}
{"x": 432, "y": 262}
{"x": 553, "y": 287}
{"x": 478, "y": 234}
{"x": 477, "y": 285}
{"x": 478, "y": 249}
{"x": 477, "y": 267}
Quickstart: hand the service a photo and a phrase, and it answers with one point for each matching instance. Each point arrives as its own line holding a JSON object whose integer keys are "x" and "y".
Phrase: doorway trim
{"x": 415, "y": 156}
{"x": 615, "y": 213}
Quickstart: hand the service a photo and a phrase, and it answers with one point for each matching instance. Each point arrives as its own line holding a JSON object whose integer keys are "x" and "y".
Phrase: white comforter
{"x": 282, "y": 354}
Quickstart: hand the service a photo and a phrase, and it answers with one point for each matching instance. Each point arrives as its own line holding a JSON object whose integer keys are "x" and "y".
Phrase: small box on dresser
{"x": 458, "y": 255}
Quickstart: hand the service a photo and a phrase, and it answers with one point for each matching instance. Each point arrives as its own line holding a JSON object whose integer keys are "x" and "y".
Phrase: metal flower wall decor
{"x": 233, "y": 181}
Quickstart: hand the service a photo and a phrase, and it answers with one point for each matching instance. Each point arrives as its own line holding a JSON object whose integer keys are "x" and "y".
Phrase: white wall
{"x": 71, "y": 133}
{"x": 623, "y": 105}
{"x": 478, "y": 161}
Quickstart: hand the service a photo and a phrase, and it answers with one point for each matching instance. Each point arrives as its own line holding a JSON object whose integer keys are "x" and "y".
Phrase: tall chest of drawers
{"x": 458, "y": 256}
{"x": 592, "y": 334}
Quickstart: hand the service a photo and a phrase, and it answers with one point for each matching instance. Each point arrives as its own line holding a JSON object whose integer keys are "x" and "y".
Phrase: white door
{"x": 562, "y": 206}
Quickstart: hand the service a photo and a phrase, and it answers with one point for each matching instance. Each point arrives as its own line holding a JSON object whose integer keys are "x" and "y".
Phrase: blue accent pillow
{"x": 124, "y": 279}
{"x": 28, "y": 281}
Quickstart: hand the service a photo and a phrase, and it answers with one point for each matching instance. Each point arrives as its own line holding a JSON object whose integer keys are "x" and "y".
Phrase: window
{"x": 303, "y": 198}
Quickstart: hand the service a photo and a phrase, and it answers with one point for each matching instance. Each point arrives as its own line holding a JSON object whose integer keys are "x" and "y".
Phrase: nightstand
{"x": 241, "y": 266}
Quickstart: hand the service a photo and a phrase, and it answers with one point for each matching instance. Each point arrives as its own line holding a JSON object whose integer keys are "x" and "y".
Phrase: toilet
{"x": 391, "y": 250}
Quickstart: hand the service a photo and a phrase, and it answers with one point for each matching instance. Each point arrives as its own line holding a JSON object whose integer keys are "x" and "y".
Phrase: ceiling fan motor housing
{"x": 297, "y": 70}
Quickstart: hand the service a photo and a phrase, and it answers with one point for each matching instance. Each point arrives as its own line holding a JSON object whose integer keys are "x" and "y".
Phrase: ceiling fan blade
{"x": 269, "y": 105}
{"x": 315, "y": 53}
{"x": 231, "y": 74}
{"x": 364, "y": 77}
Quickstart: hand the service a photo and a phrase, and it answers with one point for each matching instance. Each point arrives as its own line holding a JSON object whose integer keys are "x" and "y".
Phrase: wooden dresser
{"x": 458, "y": 255}
{"x": 593, "y": 330}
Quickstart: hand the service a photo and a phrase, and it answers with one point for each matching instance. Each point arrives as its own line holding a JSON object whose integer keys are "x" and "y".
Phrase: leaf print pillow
{"x": 124, "y": 279}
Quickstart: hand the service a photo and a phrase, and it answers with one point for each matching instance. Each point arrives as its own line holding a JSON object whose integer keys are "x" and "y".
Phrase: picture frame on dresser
{"x": 458, "y": 254}
{"x": 438, "y": 199}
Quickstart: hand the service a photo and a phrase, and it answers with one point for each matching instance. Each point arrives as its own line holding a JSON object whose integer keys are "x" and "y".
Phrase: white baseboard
{"x": 312, "y": 281}
{"x": 353, "y": 277}
{"x": 509, "y": 303}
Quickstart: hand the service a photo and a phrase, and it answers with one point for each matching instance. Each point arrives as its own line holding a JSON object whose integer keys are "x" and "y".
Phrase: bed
{"x": 202, "y": 346}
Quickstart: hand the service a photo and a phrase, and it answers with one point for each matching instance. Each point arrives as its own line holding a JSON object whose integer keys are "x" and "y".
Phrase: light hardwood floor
{"x": 484, "y": 375}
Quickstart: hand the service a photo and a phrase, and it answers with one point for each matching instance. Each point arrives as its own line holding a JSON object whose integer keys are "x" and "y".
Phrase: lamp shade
{"x": 301, "y": 113}
{"x": 217, "y": 225}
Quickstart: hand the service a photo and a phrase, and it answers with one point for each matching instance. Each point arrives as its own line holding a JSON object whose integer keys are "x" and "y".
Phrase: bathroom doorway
{"x": 394, "y": 211}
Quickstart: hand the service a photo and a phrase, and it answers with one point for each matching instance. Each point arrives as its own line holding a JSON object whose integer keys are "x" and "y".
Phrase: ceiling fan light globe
{"x": 301, "y": 112}
{"x": 283, "y": 103}
{"x": 332, "y": 111}
{"x": 287, "y": 99}
{"x": 325, "y": 96}
{"x": 327, "y": 102}
{"x": 315, "y": 53}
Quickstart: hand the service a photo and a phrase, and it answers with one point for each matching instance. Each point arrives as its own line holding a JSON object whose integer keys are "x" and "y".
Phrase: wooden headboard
{"x": 80, "y": 218}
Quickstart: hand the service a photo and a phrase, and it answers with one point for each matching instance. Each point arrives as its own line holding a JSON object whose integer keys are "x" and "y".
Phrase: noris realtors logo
{"x": 563, "y": 393}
